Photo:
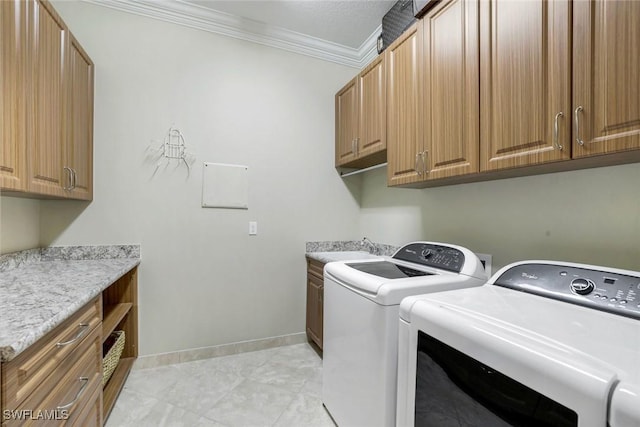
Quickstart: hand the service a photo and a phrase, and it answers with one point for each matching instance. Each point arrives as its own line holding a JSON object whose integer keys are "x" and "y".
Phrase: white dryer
{"x": 544, "y": 343}
{"x": 361, "y": 303}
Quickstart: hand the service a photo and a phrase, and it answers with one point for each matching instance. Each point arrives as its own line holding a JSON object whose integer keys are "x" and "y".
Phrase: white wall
{"x": 19, "y": 224}
{"x": 203, "y": 280}
{"x": 590, "y": 216}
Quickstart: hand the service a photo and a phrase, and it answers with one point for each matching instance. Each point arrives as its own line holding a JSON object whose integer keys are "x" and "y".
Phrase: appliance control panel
{"x": 436, "y": 256}
{"x": 598, "y": 289}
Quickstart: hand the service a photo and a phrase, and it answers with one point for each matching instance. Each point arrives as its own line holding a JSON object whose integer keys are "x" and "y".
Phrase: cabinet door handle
{"x": 576, "y": 117}
{"x": 357, "y": 146}
{"x": 84, "y": 328}
{"x": 417, "y": 168}
{"x": 423, "y": 155}
{"x": 75, "y": 176}
{"x": 84, "y": 381}
{"x": 70, "y": 179}
{"x": 555, "y": 131}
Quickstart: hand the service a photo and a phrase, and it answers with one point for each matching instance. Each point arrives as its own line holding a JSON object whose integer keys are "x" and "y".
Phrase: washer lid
{"x": 387, "y": 269}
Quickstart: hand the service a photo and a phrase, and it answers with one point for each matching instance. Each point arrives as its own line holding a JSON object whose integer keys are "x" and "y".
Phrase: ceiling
{"x": 342, "y": 31}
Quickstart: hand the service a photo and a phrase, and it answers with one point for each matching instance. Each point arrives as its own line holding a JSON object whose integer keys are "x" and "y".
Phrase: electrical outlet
{"x": 253, "y": 228}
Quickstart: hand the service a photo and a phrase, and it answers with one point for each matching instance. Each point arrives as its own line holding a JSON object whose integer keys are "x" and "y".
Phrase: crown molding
{"x": 201, "y": 18}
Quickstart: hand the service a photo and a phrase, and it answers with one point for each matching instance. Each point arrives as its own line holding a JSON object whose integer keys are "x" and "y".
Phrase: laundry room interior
{"x": 208, "y": 282}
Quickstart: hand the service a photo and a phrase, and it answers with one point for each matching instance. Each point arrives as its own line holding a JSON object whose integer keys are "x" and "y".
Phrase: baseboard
{"x": 161, "y": 359}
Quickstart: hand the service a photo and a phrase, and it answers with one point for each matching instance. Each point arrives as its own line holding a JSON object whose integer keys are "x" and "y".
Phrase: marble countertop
{"x": 345, "y": 250}
{"x": 37, "y": 296}
{"x": 340, "y": 256}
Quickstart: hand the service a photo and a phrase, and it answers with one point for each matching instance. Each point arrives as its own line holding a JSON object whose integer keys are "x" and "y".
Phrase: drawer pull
{"x": 84, "y": 328}
{"x": 84, "y": 381}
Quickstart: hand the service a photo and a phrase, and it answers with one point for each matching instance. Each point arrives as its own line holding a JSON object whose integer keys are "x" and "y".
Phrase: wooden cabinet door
{"x": 315, "y": 291}
{"x": 404, "y": 98}
{"x": 79, "y": 146}
{"x": 372, "y": 118}
{"x": 606, "y": 82}
{"x": 524, "y": 82}
{"x": 346, "y": 122}
{"x": 451, "y": 89}
{"x": 13, "y": 97}
{"x": 48, "y": 96}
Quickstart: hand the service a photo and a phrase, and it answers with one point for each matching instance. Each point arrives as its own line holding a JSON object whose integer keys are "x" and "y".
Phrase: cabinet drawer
{"x": 29, "y": 371}
{"x": 315, "y": 267}
{"x": 68, "y": 396}
{"x": 91, "y": 414}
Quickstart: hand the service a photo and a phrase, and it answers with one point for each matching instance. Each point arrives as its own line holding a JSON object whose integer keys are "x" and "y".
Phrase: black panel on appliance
{"x": 437, "y": 256}
{"x": 454, "y": 389}
{"x": 601, "y": 290}
{"x": 387, "y": 269}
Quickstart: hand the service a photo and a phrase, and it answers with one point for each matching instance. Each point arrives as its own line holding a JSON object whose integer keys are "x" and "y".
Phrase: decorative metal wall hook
{"x": 172, "y": 147}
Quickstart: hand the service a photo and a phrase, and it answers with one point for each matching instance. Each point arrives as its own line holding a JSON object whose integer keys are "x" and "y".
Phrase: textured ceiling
{"x": 340, "y": 31}
{"x": 348, "y": 23}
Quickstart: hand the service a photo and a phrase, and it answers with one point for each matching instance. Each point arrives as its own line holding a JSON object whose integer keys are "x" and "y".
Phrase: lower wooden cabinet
{"x": 58, "y": 380}
{"x": 54, "y": 379}
{"x": 315, "y": 297}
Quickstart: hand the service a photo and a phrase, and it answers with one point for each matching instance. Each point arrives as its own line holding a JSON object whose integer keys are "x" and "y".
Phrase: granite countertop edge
{"x": 346, "y": 250}
{"x": 39, "y": 295}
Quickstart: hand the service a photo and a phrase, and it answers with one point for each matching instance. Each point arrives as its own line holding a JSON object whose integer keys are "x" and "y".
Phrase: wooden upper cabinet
{"x": 404, "y": 97}
{"x": 46, "y": 104}
{"x": 46, "y": 124}
{"x": 372, "y": 115}
{"x": 346, "y": 122}
{"x": 606, "y": 83}
{"x": 13, "y": 65}
{"x": 451, "y": 90}
{"x": 79, "y": 146}
{"x": 525, "y": 83}
{"x": 361, "y": 118}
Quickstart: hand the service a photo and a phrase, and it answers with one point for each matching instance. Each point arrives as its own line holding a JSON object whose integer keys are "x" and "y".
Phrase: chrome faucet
{"x": 372, "y": 247}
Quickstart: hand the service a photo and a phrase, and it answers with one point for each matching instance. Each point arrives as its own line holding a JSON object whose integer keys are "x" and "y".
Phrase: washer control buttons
{"x": 582, "y": 286}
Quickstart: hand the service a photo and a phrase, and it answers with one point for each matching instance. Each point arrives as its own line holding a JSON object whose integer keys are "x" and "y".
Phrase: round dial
{"x": 427, "y": 253}
{"x": 582, "y": 286}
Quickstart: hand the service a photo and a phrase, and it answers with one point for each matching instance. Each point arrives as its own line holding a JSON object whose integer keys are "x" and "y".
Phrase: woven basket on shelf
{"x": 111, "y": 359}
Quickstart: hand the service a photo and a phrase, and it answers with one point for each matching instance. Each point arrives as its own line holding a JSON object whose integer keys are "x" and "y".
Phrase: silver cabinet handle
{"x": 75, "y": 177}
{"x": 555, "y": 131}
{"x": 357, "y": 146}
{"x": 418, "y": 156}
{"x": 84, "y": 381}
{"x": 84, "y": 328}
{"x": 423, "y": 155}
{"x": 576, "y": 117}
{"x": 70, "y": 179}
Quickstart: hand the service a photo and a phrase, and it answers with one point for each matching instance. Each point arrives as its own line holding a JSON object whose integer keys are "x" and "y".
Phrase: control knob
{"x": 582, "y": 286}
{"x": 427, "y": 253}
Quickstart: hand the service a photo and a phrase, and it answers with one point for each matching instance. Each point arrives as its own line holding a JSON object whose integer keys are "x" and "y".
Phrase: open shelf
{"x": 120, "y": 311}
{"x": 113, "y": 314}
{"x": 112, "y": 388}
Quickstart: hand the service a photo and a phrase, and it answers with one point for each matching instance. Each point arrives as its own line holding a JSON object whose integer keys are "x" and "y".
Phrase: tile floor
{"x": 279, "y": 387}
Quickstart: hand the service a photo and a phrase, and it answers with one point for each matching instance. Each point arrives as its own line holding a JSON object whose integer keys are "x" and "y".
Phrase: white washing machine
{"x": 544, "y": 343}
{"x": 361, "y": 302}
